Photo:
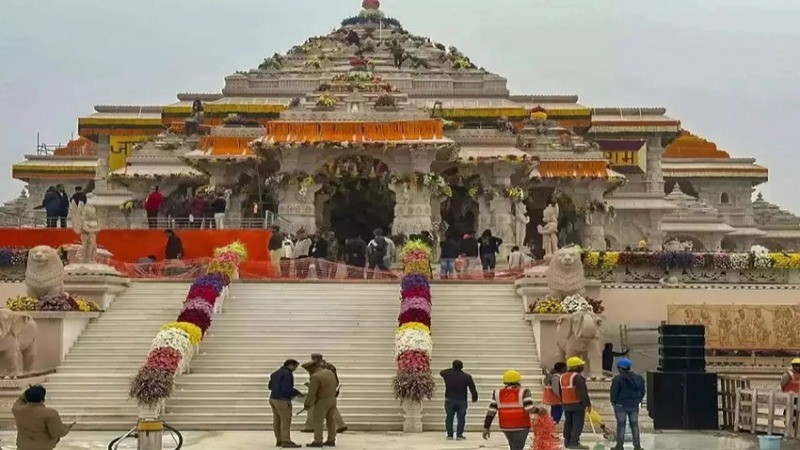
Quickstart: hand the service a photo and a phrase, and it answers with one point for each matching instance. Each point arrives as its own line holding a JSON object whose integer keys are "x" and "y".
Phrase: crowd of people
{"x": 564, "y": 392}
{"x": 203, "y": 210}
{"x": 56, "y": 204}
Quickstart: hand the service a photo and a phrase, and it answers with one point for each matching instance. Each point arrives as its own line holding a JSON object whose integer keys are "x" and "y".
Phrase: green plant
{"x": 327, "y": 101}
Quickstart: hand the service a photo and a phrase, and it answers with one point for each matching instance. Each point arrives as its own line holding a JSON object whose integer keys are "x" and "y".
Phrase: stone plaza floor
{"x": 234, "y": 440}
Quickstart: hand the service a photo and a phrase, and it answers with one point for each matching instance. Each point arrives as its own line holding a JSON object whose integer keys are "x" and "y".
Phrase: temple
{"x": 371, "y": 126}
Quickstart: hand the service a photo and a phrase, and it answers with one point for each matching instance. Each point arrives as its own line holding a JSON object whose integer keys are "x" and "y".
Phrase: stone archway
{"x": 355, "y": 198}
{"x": 461, "y": 210}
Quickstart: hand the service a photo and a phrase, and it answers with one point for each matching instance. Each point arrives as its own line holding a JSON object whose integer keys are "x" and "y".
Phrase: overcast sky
{"x": 728, "y": 69}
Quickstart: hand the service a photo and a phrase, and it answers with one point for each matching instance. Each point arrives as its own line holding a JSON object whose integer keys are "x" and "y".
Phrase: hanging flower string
{"x": 173, "y": 347}
{"x": 413, "y": 344}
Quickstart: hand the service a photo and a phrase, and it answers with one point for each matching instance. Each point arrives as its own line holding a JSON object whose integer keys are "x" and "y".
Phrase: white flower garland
{"x": 575, "y": 303}
{"x": 177, "y": 339}
{"x": 413, "y": 340}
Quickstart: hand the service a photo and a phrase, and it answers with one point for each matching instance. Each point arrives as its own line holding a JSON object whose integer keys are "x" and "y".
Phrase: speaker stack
{"x": 680, "y": 394}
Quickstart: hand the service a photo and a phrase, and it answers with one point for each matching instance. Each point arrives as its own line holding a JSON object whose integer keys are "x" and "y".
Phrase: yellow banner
{"x": 120, "y": 148}
{"x": 742, "y": 327}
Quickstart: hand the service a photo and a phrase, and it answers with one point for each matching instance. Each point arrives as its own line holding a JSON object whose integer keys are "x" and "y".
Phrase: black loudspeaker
{"x": 682, "y": 401}
{"x": 682, "y": 348}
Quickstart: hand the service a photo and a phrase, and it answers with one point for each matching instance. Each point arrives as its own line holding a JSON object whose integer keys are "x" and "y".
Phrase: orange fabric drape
{"x": 411, "y": 130}
{"x": 573, "y": 169}
{"x": 130, "y": 245}
{"x": 226, "y": 145}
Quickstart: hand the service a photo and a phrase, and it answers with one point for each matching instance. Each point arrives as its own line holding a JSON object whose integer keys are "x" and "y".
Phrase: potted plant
{"x": 386, "y": 103}
{"x": 326, "y": 102}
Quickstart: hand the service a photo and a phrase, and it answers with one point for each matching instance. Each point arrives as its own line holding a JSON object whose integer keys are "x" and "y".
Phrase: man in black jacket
{"x": 63, "y": 199}
{"x": 456, "y": 383}
{"x": 282, "y": 392}
{"x": 79, "y": 196}
{"x": 174, "y": 248}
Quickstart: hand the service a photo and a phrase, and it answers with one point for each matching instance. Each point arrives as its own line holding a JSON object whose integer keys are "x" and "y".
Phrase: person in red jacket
{"x": 152, "y": 204}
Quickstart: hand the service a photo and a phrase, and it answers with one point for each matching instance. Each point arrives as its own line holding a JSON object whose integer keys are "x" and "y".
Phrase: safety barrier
{"x": 292, "y": 270}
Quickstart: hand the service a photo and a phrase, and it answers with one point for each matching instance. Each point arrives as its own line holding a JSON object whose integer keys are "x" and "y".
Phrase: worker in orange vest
{"x": 514, "y": 405}
{"x": 790, "y": 381}
{"x": 551, "y": 395}
{"x": 575, "y": 400}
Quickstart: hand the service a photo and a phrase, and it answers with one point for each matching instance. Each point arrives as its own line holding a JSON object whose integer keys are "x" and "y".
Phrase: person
{"x": 63, "y": 205}
{"x": 341, "y": 427}
{"x": 469, "y": 248}
{"x": 627, "y": 393}
{"x": 377, "y": 250}
{"x": 514, "y": 404}
{"x": 152, "y": 205}
{"x": 38, "y": 426}
{"x": 575, "y": 400}
{"x": 516, "y": 259}
{"x": 218, "y": 206}
{"x": 321, "y": 403}
{"x": 355, "y": 256}
{"x": 301, "y": 253}
{"x": 288, "y": 255}
{"x": 552, "y": 391}
{"x": 391, "y": 252}
{"x": 489, "y": 247}
{"x": 79, "y": 196}
{"x": 197, "y": 210}
{"x": 51, "y": 203}
{"x": 208, "y": 209}
{"x": 275, "y": 247}
{"x": 281, "y": 394}
{"x": 790, "y": 380}
{"x": 449, "y": 254}
{"x": 456, "y": 384}
{"x": 609, "y": 354}
{"x": 174, "y": 248}
{"x": 319, "y": 251}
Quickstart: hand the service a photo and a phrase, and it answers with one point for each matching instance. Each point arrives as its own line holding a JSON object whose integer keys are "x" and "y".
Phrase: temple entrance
{"x": 570, "y": 221}
{"x": 460, "y": 212}
{"x": 355, "y": 198}
{"x": 536, "y": 202}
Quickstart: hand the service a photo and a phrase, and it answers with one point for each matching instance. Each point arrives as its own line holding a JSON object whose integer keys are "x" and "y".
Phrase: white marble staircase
{"x": 91, "y": 385}
{"x": 353, "y": 326}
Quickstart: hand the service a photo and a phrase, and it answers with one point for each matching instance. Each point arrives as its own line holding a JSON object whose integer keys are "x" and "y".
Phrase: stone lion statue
{"x": 565, "y": 273}
{"x": 17, "y": 341}
{"x": 45, "y": 272}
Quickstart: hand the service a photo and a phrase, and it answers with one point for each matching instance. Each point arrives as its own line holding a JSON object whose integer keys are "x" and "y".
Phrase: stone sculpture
{"x": 565, "y": 274}
{"x": 44, "y": 274}
{"x": 84, "y": 222}
{"x": 675, "y": 245}
{"x": 17, "y": 341}
{"x": 549, "y": 230}
{"x": 579, "y": 335}
{"x": 521, "y": 221}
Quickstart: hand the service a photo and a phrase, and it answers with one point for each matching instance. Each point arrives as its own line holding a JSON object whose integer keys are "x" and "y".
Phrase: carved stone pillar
{"x": 485, "y": 220}
{"x": 412, "y": 212}
{"x": 502, "y": 224}
{"x": 655, "y": 176}
{"x": 297, "y": 206}
{"x": 593, "y": 235}
{"x": 655, "y": 236}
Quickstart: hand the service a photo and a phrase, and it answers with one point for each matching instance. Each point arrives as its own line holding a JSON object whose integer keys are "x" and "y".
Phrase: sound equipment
{"x": 682, "y": 348}
{"x": 682, "y": 401}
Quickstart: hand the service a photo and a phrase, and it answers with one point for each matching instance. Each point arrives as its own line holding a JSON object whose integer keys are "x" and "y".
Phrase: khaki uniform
{"x": 321, "y": 403}
{"x": 337, "y": 416}
{"x": 38, "y": 427}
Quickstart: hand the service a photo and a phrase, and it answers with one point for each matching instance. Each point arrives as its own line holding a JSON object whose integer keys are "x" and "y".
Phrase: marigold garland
{"x": 194, "y": 332}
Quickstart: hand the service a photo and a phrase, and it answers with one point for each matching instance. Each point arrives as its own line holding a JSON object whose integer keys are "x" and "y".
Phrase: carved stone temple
{"x": 371, "y": 126}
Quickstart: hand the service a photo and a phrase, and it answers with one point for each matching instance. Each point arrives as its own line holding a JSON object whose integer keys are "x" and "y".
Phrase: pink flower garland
{"x": 163, "y": 358}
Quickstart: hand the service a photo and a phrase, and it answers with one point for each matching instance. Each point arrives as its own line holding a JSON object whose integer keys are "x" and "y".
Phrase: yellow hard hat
{"x": 574, "y": 362}
{"x": 511, "y": 377}
{"x": 796, "y": 361}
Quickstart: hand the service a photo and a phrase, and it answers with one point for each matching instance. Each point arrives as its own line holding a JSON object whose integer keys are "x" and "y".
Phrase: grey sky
{"x": 729, "y": 69}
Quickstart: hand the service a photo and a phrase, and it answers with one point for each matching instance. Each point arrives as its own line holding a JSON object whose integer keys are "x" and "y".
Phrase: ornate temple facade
{"x": 372, "y": 126}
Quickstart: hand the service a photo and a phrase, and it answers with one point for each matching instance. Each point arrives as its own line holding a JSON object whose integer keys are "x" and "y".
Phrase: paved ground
{"x": 397, "y": 441}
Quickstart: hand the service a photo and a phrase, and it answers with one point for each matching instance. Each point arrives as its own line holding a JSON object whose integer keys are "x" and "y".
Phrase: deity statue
{"x": 84, "y": 222}
{"x": 549, "y": 230}
{"x": 521, "y": 221}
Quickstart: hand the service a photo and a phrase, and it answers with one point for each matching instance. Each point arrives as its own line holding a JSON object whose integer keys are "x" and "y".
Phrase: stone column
{"x": 594, "y": 232}
{"x": 298, "y": 207}
{"x": 412, "y": 211}
{"x": 502, "y": 224}
{"x": 655, "y": 177}
{"x": 655, "y": 236}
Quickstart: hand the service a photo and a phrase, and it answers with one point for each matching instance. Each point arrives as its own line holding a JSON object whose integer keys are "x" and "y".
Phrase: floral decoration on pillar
{"x": 413, "y": 345}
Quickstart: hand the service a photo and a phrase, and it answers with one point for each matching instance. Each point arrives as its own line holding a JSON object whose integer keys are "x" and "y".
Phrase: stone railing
{"x": 655, "y": 274}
